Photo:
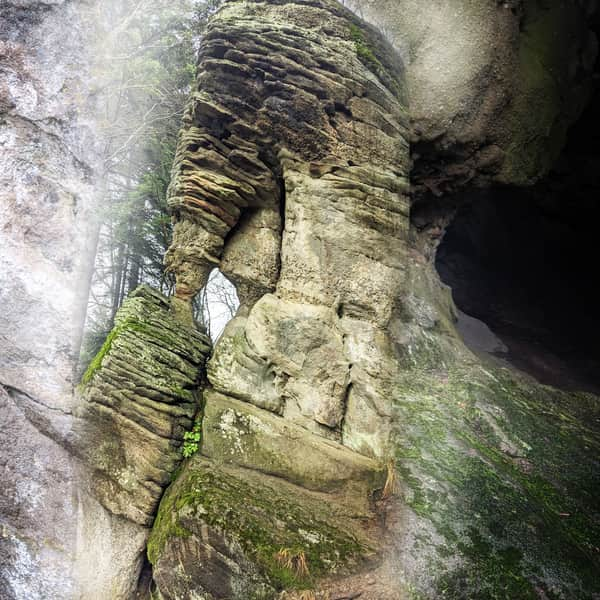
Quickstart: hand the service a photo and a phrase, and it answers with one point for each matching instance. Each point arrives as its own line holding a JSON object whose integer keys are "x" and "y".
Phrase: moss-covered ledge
{"x": 229, "y": 532}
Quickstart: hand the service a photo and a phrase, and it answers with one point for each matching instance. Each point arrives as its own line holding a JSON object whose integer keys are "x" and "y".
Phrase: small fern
{"x": 191, "y": 440}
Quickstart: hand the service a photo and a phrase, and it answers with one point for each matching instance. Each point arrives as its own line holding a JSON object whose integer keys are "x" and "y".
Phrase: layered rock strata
{"x": 290, "y": 175}
{"x": 49, "y": 170}
{"x": 344, "y": 354}
{"x": 301, "y": 107}
{"x": 343, "y": 360}
{"x": 140, "y": 396}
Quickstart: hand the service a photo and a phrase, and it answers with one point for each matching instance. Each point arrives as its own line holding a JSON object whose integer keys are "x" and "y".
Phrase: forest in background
{"x": 147, "y": 70}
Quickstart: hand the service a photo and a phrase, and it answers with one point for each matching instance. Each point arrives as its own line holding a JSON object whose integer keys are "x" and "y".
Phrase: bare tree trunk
{"x": 118, "y": 281}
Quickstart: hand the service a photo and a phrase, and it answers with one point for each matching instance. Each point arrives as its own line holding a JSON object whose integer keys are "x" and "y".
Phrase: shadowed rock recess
{"x": 352, "y": 445}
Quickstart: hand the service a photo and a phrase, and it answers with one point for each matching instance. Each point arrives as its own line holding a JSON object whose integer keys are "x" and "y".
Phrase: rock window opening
{"x": 216, "y": 304}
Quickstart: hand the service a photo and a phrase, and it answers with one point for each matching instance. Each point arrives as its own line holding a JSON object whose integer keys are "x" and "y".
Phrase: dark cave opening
{"x": 525, "y": 261}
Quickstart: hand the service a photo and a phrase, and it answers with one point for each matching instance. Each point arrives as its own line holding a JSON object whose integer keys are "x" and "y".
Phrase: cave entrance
{"x": 525, "y": 263}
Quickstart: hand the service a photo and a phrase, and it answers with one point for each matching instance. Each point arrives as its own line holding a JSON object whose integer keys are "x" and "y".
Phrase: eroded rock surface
{"x": 255, "y": 517}
{"x": 343, "y": 360}
{"x": 291, "y": 175}
{"x": 48, "y": 171}
{"x": 301, "y": 105}
{"x": 140, "y": 396}
{"x": 345, "y": 344}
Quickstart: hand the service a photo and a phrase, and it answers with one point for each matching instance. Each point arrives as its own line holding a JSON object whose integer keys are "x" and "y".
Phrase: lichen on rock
{"x": 140, "y": 396}
{"x": 501, "y": 476}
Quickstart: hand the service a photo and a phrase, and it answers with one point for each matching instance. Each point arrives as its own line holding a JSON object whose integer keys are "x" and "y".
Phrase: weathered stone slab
{"x": 226, "y": 532}
{"x": 238, "y": 433}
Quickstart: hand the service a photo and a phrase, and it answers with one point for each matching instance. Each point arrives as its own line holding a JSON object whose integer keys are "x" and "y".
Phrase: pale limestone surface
{"x": 48, "y": 170}
{"x": 57, "y": 541}
{"x": 475, "y": 69}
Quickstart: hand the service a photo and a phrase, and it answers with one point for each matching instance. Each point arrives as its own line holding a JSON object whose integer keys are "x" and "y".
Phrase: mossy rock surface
{"x": 502, "y": 476}
{"x": 239, "y": 433}
{"x": 140, "y": 396}
{"x": 226, "y": 532}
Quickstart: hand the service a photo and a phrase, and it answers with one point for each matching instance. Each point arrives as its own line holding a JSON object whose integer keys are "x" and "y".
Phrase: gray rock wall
{"x": 494, "y": 85}
{"x": 48, "y": 174}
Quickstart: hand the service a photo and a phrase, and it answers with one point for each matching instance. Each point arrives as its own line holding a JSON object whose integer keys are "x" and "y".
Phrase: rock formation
{"x": 140, "y": 395}
{"x": 494, "y": 86}
{"x": 347, "y": 336}
{"x": 350, "y": 441}
{"x": 294, "y": 157}
{"x": 48, "y": 173}
{"x": 81, "y": 481}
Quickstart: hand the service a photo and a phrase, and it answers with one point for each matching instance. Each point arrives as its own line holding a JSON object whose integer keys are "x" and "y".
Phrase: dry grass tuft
{"x": 303, "y": 595}
{"x": 284, "y": 558}
{"x": 294, "y": 561}
{"x": 301, "y": 566}
{"x": 391, "y": 482}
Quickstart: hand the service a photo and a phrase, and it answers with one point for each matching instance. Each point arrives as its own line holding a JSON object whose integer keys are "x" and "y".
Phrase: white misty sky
{"x": 221, "y": 303}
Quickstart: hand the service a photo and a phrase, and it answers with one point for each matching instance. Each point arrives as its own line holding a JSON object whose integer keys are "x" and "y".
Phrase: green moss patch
{"x": 366, "y": 52}
{"x": 506, "y": 475}
{"x": 278, "y": 529}
{"x": 97, "y": 360}
{"x": 363, "y": 50}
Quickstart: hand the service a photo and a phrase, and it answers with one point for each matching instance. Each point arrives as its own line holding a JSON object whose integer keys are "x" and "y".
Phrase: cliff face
{"x": 346, "y": 337}
{"x": 81, "y": 475}
{"x": 494, "y": 86}
{"x": 350, "y": 441}
{"x": 48, "y": 168}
